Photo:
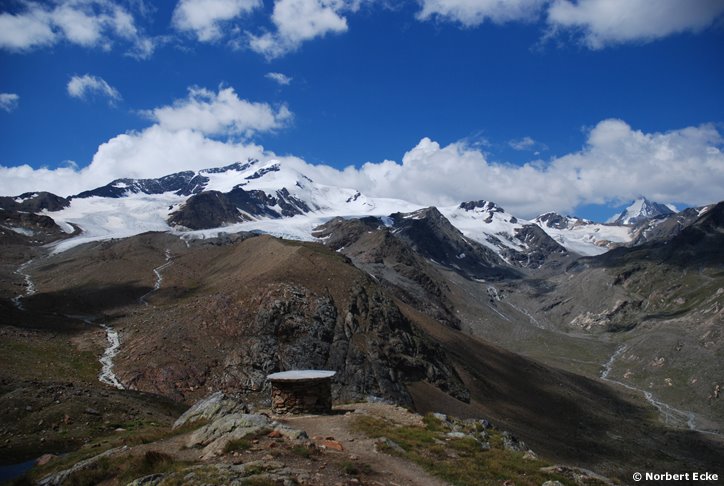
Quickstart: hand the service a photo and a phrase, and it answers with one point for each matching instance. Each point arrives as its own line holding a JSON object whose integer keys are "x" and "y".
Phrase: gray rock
{"x": 240, "y": 424}
{"x": 391, "y": 444}
{"x": 512, "y": 443}
{"x": 552, "y": 483}
{"x": 440, "y": 416}
{"x": 530, "y": 455}
{"x": 457, "y": 435}
{"x": 150, "y": 480}
{"x": 290, "y": 433}
{"x": 577, "y": 474}
{"x": 60, "y": 477}
{"x": 210, "y": 408}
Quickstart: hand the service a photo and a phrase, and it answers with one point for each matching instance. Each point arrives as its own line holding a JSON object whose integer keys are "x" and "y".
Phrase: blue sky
{"x": 539, "y": 105}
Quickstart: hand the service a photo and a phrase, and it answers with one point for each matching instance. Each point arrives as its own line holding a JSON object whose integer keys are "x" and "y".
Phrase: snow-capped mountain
{"x": 642, "y": 209}
{"x": 268, "y": 197}
{"x": 583, "y": 236}
{"x": 515, "y": 240}
{"x": 275, "y": 197}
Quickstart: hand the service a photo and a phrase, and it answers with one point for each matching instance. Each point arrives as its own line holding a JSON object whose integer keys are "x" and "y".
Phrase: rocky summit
{"x": 141, "y": 319}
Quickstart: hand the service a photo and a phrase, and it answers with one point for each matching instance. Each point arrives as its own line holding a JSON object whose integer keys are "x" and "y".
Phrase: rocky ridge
{"x": 229, "y": 447}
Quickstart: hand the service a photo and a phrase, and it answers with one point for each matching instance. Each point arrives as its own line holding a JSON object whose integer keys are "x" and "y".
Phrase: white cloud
{"x": 179, "y": 140}
{"x": 525, "y": 143}
{"x": 9, "y": 101}
{"x": 279, "y": 78}
{"x": 152, "y": 152}
{"x": 600, "y": 22}
{"x": 85, "y": 86}
{"x": 87, "y": 23}
{"x": 606, "y": 22}
{"x": 26, "y": 30}
{"x": 617, "y": 164}
{"x": 205, "y": 18}
{"x": 221, "y": 113}
{"x": 297, "y": 21}
{"x": 474, "y": 12}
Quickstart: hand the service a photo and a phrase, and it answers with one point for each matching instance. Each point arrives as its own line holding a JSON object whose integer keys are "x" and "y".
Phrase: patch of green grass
{"x": 47, "y": 359}
{"x": 355, "y": 468}
{"x": 137, "y": 432}
{"x": 301, "y": 451}
{"x": 460, "y": 461}
{"x": 237, "y": 445}
{"x": 125, "y": 468}
{"x": 99, "y": 471}
{"x": 433, "y": 423}
{"x": 258, "y": 482}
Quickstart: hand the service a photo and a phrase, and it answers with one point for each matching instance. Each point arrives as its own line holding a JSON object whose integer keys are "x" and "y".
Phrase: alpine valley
{"x": 598, "y": 344}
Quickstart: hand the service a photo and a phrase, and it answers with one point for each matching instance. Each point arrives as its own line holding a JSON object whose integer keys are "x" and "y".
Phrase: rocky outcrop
{"x": 182, "y": 183}
{"x": 34, "y": 202}
{"x": 212, "y": 209}
{"x": 226, "y": 424}
{"x": 216, "y": 405}
{"x": 231, "y": 340}
{"x": 431, "y": 235}
{"x": 20, "y": 227}
{"x": 59, "y": 478}
{"x": 540, "y": 247}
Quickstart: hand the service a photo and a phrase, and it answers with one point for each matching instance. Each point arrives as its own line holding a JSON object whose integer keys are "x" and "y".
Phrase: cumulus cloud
{"x": 297, "y": 21}
{"x": 87, "y": 23}
{"x": 599, "y": 22}
{"x": 9, "y": 101}
{"x": 220, "y": 113}
{"x": 179, "y": 140}
{"x": 279, "y": 78}
{"x": 471, "y": 13}
{"x": 83, "y": 87}
{"x": 152, "y": 152}
{"x": 617, "y": 164}
{"x": 607, "y": 22}
{"x": 205, "y": 18}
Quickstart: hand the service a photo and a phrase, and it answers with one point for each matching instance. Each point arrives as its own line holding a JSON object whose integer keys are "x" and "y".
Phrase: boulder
{"x": 512, "y": 443}
{"x": 215, "y": 436}
{"x": 60, "y": 477}
{"x": 210, "y": 408}
{"x": 239, "y": 424}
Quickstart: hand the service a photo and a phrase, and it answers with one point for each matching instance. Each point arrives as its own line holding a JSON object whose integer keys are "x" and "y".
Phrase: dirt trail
{"x": 390, "y": 470}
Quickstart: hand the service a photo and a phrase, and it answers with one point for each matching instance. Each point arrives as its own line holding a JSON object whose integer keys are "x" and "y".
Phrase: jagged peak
{"x": 640, "y": 210}
{"x": 236, "y": 166}
{"x": 482, "y": 205}
{"x": 429, "y": 212}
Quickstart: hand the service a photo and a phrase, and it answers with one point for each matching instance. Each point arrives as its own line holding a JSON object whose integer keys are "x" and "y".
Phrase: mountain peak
{"x": 642, "y": 209}
{"x": 236, "y": 167}
{"x": 481, "y": 205}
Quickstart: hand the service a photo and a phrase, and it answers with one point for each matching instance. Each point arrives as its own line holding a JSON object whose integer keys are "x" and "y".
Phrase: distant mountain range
{"x": 273, "y": 198}
{"x": 556, "y": 328}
